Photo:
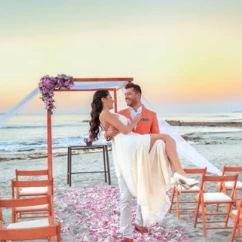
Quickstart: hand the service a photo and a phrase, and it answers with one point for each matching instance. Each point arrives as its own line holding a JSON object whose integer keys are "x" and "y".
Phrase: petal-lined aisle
{"x": 92, "y": 214}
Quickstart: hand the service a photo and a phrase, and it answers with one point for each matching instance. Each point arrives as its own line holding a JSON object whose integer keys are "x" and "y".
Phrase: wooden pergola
{"x": 85, "y": 84}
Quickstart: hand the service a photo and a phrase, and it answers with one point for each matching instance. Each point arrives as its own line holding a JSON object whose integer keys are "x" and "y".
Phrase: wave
{"x": 41, "y": 144}
{"x": 218, "y": 115}
{"x": 39, "y": 126}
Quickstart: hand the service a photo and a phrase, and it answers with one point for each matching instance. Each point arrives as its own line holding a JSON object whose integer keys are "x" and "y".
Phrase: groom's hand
{"x": 111, "y": 132}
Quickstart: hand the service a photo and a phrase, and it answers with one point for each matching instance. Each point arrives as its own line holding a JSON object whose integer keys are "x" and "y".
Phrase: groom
{"x": 147, "y": 125}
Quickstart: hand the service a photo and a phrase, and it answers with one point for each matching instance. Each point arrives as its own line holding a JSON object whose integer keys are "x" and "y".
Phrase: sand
{"x": 220, "y": 153}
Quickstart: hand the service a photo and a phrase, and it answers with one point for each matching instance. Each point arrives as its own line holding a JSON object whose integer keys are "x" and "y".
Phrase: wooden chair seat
{"x": 33, "y": 191}
{"x": 213, "y": 197}
{"x": 29, "y": 224}
{"x": 229, "y": 185}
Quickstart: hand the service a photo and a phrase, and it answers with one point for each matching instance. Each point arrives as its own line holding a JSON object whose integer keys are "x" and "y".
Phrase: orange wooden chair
{"x": 28, "y": 230}
{"x": 236, "y": 215}
{"x": 32, "y": 175}
{"x": 180, "y": 205}
{"x": 229, "y": 170}
{"x": 206, "y": 199}
{"x": 25, "y": 212}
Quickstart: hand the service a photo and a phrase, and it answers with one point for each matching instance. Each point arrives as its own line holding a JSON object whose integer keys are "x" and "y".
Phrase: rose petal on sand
{"x": 92, "y": 214}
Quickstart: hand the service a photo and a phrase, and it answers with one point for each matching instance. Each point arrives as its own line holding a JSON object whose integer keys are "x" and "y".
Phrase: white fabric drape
{"x": 18, "y": 106}
{"x": 184, "y": 148}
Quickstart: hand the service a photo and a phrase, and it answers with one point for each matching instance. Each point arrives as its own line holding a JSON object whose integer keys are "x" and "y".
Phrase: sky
{"x": 185, "y": 54}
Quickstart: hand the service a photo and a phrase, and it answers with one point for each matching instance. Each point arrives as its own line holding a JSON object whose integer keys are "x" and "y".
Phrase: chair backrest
{"x": 25, "y": 202}
{"x": 196, "y": 170}
{"x": 234, "y": 169}
{"x": 30, "y": 173}
{"x": 40, "y": 183}
{"x": 229, "y": 170}
{"x": 31, "y": 233}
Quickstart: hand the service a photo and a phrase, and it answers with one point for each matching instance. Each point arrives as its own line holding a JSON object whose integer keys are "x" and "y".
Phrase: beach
{"x": 89, "y": 209}
{"x": 222, "y": 152}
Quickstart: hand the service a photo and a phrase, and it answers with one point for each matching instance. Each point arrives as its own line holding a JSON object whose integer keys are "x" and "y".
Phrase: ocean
{"x": 23, "y": 133}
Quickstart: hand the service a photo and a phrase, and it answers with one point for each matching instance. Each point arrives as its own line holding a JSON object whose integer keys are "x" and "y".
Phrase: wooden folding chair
{"x": 230, "y": 170}
{"x": 236, "y": 215}
{"x": 180, "y": 205}
{"x": 28, "y": 230}
{"x": 205, "y": 199}
{"x": 25, "y": 212}
{"x": 32, "y": 175}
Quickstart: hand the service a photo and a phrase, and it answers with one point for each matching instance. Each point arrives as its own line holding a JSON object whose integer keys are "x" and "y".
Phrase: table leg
{"x": 104, "y": 163}
{"x": 108, "y": 167}
{"x": 68, "y": 166}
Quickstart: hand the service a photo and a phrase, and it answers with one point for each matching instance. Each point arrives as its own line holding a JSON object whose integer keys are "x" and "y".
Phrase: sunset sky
{"x": 185, "y": 54}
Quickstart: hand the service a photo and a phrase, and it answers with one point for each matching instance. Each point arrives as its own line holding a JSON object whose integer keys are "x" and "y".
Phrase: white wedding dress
{"x": 147, "y": 174}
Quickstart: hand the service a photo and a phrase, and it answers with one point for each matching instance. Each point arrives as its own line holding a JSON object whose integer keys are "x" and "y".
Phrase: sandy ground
{"x": 220, "y": 153}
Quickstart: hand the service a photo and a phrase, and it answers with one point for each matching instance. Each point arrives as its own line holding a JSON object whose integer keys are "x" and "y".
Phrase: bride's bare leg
{"x": 171, "y": 152}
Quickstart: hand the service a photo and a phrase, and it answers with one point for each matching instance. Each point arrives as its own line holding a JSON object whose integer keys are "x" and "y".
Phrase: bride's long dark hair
{"x": 97, "y": 108}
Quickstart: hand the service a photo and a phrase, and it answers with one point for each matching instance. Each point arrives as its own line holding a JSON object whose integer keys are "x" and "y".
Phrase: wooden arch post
{"x": 82, "y": 80}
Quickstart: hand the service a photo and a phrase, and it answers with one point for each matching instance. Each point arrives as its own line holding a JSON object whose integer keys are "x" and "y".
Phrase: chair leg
{"x": 177, "y": 204}
{"x": 233, "y": 232}
{"x": 13, "y": 215}
{"x": 204, "y": 217}
{"x": 104, "y": 164}
{"x": 59, "y": 233}
{"x": 172, "y": 199}
{"x": 217, "y": 207}
{"x": 206, "y": 211}
{"x": 227, "y": 216}
{"x": 196, "y": 214}
{"x": 235, "y": 199}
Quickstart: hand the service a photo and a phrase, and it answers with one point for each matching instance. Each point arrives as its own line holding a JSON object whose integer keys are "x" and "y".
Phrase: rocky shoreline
{"x": 209, "y": 124}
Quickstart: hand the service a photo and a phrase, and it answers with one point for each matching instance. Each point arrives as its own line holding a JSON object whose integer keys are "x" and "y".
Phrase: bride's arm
{"x": 112, "y": 119}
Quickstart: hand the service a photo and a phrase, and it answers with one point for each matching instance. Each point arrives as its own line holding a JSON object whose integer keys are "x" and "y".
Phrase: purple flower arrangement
{"x": 88, "y": 141}
{"x": 47, "y": 84}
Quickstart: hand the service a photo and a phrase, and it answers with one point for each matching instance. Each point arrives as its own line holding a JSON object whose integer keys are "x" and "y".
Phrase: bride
{"x": 138, "y": 159}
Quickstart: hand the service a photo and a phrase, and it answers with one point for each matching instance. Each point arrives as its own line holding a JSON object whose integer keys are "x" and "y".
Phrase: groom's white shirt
{"x": 134, "y": 113}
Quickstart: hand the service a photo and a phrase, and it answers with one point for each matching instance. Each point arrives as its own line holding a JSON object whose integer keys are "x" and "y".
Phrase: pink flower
{"x": 48, "y": 84}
